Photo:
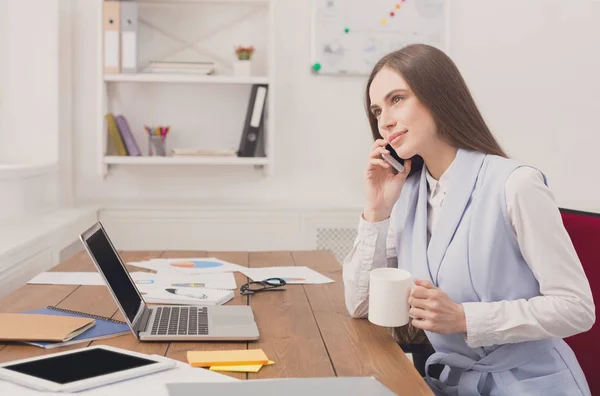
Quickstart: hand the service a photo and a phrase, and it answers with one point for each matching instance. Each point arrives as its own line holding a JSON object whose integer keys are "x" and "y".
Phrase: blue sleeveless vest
{"x": 473, "y": 256}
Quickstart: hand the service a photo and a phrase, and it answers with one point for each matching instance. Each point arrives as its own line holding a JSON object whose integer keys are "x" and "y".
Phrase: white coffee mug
{"x": 389, "y": 289}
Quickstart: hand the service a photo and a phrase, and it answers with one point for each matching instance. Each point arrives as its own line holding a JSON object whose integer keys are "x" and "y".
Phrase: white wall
{"x": 31, "y": 70}
{"x": 3, "y": 46}
{"x": 35, "y": 93}
{"x": 65, "y": 193}
{"x": 28, "y": 194}
{"x": 532, "y": 67}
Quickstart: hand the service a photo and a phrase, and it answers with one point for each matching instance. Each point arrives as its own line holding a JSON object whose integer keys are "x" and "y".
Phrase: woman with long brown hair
{"x": 497, "y": 281}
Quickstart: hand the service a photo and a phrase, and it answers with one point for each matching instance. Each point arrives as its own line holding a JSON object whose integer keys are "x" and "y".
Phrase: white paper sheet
{"x": 68, "y": 278}
{"x": 73, "y": 278}
{"x": 292, "y": 275}
{"x": 148, "y": 385}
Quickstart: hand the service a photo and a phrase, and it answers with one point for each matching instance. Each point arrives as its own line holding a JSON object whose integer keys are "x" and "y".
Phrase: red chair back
{"x": 584, "y": 230}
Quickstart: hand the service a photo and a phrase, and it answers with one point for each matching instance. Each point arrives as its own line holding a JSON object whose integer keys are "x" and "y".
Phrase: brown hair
{"x": 436, "y": 81}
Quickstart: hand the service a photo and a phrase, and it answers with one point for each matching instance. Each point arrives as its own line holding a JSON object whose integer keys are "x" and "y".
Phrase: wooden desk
{"x": 306, "y": 330}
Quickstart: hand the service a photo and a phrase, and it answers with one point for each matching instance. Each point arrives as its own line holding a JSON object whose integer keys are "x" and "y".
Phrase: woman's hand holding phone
{"x": 383, "y": 185}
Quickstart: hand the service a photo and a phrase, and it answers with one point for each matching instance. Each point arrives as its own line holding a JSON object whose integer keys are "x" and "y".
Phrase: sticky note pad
{"x": 254, "y": 368}
{"x": 240, "y": 357}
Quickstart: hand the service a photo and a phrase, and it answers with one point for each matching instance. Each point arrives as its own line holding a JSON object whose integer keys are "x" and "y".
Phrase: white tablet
{"x": 80, "y": 369}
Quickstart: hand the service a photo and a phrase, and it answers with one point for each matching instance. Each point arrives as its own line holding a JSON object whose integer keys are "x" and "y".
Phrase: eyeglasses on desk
{"x": 271, "y": 284}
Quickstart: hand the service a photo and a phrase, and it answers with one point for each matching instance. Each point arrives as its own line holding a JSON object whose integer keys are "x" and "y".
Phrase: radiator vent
{"x": 338, "y": 241}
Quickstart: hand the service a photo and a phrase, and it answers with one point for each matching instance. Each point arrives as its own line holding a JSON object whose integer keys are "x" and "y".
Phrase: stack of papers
{"x": 240, "y": 360}
{"x": 189, "y": 281}
{"x": 188, "y": 296}
{"x": 180, "y": 67}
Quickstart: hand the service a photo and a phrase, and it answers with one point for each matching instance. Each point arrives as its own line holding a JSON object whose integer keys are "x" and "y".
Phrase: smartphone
{"x": 393, "y": 159}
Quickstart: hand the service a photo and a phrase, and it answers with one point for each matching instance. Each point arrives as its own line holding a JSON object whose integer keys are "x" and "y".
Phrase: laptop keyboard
{"x": 180, "y": 321}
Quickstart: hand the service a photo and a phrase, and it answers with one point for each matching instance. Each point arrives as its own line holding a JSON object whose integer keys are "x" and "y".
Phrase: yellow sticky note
{"x": 254, "y": 368}
{"x": 239, "y": 357}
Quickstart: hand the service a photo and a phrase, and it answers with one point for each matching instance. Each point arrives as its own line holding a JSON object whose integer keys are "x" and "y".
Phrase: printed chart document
{"x": 188, "y": 266}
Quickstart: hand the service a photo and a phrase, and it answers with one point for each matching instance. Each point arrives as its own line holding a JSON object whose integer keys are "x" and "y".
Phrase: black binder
{"x": 254, "y": 125}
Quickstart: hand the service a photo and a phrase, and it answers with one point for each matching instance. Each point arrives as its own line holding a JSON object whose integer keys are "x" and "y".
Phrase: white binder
{"x": 129, "y": 27}
{"x": 111, "y": 23}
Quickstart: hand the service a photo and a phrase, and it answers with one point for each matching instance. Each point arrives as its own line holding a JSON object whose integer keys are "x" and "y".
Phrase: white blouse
{"x": 565, "y": 306}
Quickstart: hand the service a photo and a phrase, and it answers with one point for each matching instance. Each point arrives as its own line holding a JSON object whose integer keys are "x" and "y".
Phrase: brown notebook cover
{"x": 32, "y": 327}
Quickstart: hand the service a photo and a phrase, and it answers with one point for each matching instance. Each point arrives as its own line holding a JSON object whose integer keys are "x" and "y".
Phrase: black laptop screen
{"x": 115, "y": 274}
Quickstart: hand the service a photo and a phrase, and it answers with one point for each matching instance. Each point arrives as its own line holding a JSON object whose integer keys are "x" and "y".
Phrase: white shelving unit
{"x": 169, "y": 99}
{"x": 183, "y": 78}
{"x": 187, "y": 2}
{"x": 185, "y": 160}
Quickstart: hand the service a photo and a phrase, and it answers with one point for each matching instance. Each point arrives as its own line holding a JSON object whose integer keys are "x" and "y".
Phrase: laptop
{"x": 348, "y": 386}
{"x": 164, "y": 322}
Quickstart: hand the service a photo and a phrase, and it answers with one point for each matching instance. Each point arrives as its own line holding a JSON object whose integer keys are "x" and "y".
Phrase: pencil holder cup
{"x": 157, "y": 146}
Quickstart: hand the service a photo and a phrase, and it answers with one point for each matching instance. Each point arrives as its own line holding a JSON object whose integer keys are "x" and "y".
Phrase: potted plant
{"x": 242, "y": 66}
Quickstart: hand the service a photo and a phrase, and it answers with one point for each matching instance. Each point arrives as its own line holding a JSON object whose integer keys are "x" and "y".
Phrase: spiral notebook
{"x": 104, "y": 328}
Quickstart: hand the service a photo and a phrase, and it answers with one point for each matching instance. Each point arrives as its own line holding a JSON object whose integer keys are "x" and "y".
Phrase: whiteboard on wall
{"x": 350, "y": 36}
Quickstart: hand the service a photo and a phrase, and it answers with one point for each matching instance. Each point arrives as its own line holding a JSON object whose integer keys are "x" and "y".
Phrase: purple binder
{"x": 128, "y": 139}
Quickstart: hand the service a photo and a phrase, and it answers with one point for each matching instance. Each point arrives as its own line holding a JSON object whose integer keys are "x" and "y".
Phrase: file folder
{"x": 112, "y": 26}
{"x": 127, "y": 137}
{"x": 129, "y": 46}
{"x": 115, "y": 134}
{"x": 254, "y": 124}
